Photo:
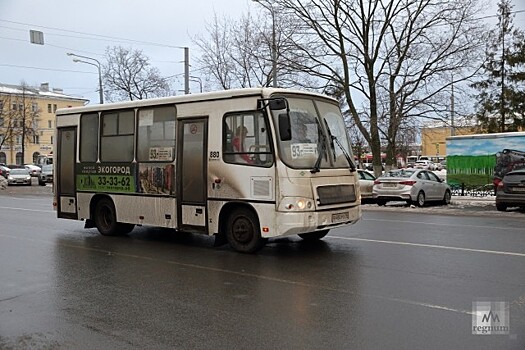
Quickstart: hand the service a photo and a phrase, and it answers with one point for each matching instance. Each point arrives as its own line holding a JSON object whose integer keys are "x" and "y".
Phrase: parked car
{"x": 34, "y": 170}
{"x": 19, "y": 176}
{"x": 511, "y": 190}
{"x": 417, "y": 186}
{"x": 367, "y": 166}
{"x": 46, "y": 176}
{"x": 4, "y": 171}
{"x": 366, "y": 183}
{"x": 425, "y": 164}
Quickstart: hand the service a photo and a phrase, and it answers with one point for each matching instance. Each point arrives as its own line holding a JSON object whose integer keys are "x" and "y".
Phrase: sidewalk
{"x": 477, "y": 201}
{"x": 459, "y": 205}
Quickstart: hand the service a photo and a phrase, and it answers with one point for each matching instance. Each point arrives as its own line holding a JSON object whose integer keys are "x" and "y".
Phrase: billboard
{"x": 471, "y": 159}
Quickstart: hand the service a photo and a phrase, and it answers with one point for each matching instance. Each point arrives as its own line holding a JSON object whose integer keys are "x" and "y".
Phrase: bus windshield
{"x": 319, "y": 138}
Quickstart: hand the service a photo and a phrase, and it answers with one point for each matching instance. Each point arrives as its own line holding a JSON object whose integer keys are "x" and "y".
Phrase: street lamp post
{"x": 196, "y": 79}
{"x": 95, "y": 63}
{"x": 269, "y": 7}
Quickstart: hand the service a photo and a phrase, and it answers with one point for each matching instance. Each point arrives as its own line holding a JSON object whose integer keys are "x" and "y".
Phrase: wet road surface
{"x": 398, "y": 279}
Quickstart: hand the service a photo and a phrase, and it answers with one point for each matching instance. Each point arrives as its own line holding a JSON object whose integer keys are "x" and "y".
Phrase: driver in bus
{"x": 238, "y": 145}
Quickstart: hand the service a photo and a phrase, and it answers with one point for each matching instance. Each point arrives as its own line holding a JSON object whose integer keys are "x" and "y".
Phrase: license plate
{"x": 340, "y": 217}
{"x": 518, "y": 189}
{"x": 389, "y": 185}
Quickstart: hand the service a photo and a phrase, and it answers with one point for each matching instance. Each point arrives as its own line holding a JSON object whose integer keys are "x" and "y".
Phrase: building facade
{"x": 434, "y": 138}
{"x": 27, "y": 121}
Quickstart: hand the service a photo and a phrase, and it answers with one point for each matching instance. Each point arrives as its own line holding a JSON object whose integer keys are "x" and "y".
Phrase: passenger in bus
{"x": 238, "y": 145}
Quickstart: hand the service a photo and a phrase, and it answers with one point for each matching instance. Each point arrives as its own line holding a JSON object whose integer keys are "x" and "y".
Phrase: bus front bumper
{"x": 293, "y": 223}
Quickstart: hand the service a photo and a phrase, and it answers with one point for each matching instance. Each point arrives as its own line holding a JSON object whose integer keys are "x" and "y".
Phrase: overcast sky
{"x": 87, "y": 28}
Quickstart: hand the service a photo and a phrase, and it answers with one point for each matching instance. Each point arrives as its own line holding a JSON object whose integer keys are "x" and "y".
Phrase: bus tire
{"x": 313, "y": 236}
{"x": 106, "y": 218}
{"x": 243, "y": 232}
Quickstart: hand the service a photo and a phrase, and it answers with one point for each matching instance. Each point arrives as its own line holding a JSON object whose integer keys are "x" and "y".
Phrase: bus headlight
{"x": 297, "y": 204}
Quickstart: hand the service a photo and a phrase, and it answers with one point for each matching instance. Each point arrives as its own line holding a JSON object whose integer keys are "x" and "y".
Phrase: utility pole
{"x": 186, "y": 70}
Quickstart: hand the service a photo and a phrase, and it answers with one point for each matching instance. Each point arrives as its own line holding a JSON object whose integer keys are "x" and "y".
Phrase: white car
{"x": 417, "y": 186}
{"x": 425, "y": 164}
{"x": 366, "y": 183}
{"x": 34, "y": 170}
{"x": 19, "y": 177}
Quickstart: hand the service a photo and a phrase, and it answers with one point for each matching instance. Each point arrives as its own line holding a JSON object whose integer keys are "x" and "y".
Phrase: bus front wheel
{"x": 243, "y": 232}
{"x": 106, "y": 218}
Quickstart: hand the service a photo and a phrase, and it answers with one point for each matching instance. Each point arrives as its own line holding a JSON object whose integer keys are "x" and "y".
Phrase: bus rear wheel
{"x": 243, "y": 232}
{"x": 313, "y": 236}
{"x": 106, "y": 219}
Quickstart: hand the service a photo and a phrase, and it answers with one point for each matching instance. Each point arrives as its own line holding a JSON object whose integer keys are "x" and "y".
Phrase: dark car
{"x": 511, "y": 190}
{"x": 46, "y": 175}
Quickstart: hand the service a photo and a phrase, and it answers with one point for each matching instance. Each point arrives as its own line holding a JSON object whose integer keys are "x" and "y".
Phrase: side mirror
{"x": 277, "y": 103}
{"x": 285, "y": 128}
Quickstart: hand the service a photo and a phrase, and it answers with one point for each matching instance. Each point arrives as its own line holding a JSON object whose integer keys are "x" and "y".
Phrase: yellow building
{"x": 35, "y": 108}
{"x": 434, "y": 138}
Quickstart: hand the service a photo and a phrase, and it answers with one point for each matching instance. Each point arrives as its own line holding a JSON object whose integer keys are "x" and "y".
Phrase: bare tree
{"x": 239, "y": 53}
{"x": 128, "y": 75}
{"x": 19, "y": 117}
{"x": 392, "y": 59}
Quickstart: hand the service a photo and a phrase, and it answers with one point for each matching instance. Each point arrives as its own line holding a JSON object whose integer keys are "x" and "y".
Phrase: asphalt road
{"x": 401, "y": 278}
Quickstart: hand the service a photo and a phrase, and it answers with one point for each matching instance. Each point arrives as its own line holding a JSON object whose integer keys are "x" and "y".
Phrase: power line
{"x": 49, "y": 69}
{"x": 494, "y": 16}
{"x": 95, "y": 35}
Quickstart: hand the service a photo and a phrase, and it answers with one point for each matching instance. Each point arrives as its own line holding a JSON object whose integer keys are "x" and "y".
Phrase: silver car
{"x": 417, "y": 186}
{"x": 46, "y": 176}
{"x": 19, "y": 177}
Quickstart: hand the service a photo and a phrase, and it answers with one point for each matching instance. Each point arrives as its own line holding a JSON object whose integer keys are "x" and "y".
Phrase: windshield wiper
{"x": 347, "y": 156}
{"x": 345, "y": 153}
{"x": 322, "y": 138}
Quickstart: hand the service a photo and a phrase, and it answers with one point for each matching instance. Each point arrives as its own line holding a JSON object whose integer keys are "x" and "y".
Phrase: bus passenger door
{"x": 192, "y": 175}
{"x": 65, "y": 173}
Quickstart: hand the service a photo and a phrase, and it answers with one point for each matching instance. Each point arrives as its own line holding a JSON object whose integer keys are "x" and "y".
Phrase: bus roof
{"x": 206, "y": 96}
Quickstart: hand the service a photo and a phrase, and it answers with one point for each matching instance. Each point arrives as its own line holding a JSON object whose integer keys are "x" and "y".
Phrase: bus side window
{"x": 246, "y": 140}
{"x": 118, "y": 133}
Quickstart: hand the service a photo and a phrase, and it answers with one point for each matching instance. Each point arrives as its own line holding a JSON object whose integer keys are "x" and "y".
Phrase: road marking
{"x": 445, "y": 224}
{"x": 428, "y": 246}
{"x": 32, "y": 210}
